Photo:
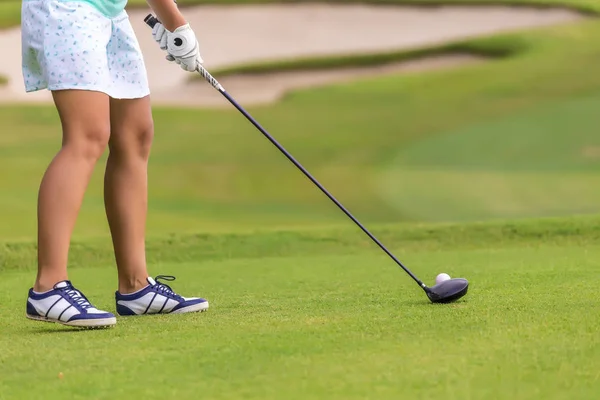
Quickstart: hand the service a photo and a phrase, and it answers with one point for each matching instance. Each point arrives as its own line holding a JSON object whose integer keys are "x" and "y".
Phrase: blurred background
{"x": 408, "y": 114}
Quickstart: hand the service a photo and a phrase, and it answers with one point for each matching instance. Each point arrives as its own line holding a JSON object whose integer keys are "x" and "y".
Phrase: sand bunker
{"x": 232, "y": 35}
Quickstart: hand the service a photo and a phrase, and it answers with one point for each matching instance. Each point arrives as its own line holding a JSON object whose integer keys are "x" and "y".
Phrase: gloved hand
{"x": 159, "y": 33}
{"x": 181, "y": 46}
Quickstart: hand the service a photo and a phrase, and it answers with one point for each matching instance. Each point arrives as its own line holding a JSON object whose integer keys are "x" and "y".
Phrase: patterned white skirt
{"x": 71, "y": 45}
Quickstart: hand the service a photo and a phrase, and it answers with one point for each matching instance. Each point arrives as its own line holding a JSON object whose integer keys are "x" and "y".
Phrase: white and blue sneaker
{"x": 158, "y": 298}
{"x": 68, "y": 306}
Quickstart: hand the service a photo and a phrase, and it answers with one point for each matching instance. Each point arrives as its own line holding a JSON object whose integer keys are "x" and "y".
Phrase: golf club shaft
{"x": 151, "y": 21}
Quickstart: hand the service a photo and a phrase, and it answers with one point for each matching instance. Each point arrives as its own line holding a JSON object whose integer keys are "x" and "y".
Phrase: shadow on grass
{"x": 425, "y": 303}
{"x": 64, "y": 329}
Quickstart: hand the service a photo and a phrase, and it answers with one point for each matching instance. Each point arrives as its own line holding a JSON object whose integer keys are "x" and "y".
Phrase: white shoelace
{"x": 78, "y": 298}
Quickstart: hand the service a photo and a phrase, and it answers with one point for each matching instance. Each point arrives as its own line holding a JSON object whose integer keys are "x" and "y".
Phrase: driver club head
{"x": 448, "y": 291}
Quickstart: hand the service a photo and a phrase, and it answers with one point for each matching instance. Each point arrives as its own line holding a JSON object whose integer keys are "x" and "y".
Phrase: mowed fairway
{"x": 322, "y": 315}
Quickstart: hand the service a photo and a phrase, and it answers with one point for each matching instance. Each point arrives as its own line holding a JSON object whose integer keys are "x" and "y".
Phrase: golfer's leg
{"x": 86, "y": 129}
{"x": 126, "y": 184}
{"x": 126, "y": 188}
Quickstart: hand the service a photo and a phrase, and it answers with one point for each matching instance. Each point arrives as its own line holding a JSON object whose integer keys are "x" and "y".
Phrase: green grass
{"x": 373, "y": 143}
{"x": 10, "y": 13}
{"x": 301, "y": 317}
{"x": 494, "y": 168}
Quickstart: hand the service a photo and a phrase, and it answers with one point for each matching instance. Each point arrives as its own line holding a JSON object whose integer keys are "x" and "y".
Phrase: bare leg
{"x": 126, "y": 188}
{"x": 85, "y": 120}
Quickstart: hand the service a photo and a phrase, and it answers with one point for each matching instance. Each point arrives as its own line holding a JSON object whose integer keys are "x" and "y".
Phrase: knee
{"x": 90, "y": 143}
{"x": 133, "y": 142}
{"x": 143, "y": 140}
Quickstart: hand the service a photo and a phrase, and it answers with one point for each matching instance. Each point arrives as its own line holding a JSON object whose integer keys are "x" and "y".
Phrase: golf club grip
{"x": 151, "y": 21}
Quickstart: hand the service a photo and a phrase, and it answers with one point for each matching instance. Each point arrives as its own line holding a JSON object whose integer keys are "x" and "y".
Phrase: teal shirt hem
{"x": 109, "y": 8}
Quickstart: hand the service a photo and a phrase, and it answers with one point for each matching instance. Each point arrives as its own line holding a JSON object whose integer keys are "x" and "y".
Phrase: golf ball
{"x": 441, "y": 278}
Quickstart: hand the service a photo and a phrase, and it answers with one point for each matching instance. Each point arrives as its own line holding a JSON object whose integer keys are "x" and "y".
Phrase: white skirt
{"x": 71, "y": 45}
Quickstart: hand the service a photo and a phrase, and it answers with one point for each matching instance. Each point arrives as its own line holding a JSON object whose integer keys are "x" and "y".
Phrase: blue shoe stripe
{"x": 188, "y": 303}
{"x": 164, "y": 304}
{"x": 122, "y": 310}
{"x": 48, "y": 312}
{"x": 151, "y": 301}
{"x": 31, "y": 309}
{"x": 63, "y": 312}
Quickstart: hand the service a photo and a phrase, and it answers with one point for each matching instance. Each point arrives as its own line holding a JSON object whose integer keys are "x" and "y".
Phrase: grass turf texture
{"x": 10, "y": 13}
{"x": 314, "y": 321}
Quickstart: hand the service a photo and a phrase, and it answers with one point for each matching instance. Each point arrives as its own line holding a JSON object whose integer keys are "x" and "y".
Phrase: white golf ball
{"x": 441, "y": 278}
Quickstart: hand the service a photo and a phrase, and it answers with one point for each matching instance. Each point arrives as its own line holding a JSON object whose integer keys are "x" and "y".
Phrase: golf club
{"x": 444, "y": 292}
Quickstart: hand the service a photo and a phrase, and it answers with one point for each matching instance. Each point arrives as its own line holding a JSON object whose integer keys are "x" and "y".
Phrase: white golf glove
{"x": 159, "y": 33}
{"x": 181, "y": 46}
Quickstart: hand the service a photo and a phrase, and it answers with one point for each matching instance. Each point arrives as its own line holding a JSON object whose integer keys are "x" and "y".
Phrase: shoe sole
{"x": 202, "y": 307}
{"x": 81, "y": 323}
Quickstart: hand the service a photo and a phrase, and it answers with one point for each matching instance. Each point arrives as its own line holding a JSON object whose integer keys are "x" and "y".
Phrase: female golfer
{"x": 86, "y": 53}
